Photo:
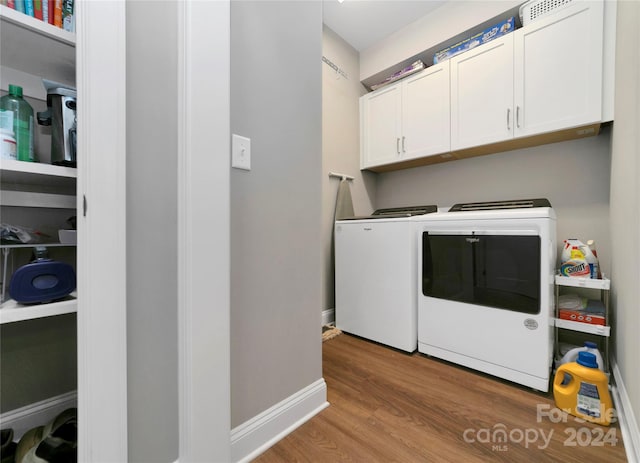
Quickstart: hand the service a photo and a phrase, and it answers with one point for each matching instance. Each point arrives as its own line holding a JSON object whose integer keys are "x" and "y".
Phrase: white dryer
{"x": 376, "y": 264}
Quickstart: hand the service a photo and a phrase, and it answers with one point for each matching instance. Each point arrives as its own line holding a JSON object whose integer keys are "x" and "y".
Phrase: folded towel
{"x": 344, "y": 204}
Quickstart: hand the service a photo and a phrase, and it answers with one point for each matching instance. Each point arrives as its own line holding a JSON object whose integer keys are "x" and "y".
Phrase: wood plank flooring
{"x": 389, "y": 406}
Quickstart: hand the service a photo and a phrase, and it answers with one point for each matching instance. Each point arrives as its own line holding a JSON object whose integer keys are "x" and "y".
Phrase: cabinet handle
{"x": 403, "y": 150}
{"x": 508, "y": 118}
{"x": 84, "y": 206}
{"x": 398, "y": 145}
{"x": 518, "y": 116}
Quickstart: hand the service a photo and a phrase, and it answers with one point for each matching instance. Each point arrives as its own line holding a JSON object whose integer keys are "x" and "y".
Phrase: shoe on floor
{"x": 7, "y": 446}
{"x": 56, "y": 442}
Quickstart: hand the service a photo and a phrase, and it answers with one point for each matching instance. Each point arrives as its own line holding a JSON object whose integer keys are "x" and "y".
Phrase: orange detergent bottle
{"x": 581, "y": 389}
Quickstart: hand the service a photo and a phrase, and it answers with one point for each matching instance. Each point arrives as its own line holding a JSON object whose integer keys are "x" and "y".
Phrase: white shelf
{"x": 36, "y": 173}
{"x": 32, "y": 199}
{"x": 35, "y": 47}
{"x": 583, "y": 327}
{"x": 33, "y": 245}
{"x": 579, "y": 282}
{"x": 11, "y": 311}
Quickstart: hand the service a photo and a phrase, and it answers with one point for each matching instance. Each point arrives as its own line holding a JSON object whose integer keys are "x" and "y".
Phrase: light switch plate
{"x": 240, "y": 152}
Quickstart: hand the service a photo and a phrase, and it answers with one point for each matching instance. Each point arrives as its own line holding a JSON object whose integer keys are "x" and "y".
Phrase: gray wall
{"x": 340, "y": 146}
{"x": 151, "y": 231}
{"x": 625, "y": 202}
{"x": 276, "y": 207}
{"x": 38, "y": 360}
{"x": 573, "y": 175}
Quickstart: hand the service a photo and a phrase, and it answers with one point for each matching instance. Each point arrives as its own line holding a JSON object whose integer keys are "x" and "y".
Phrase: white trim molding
{"x": 253, "y": 437}
{"x": 36, "y": 414}
{"x": 328, "y": 316}
{"x": 204, "y": 374}
{"x": 626, "y": 417}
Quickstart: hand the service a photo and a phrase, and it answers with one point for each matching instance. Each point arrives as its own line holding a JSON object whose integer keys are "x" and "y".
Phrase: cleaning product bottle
{"x": 572, "y": 355}
{"x": 23, "y": 123}
{"x": 576, "y": 265}
{"x": 586, "y": 392}
{"x": 592, "y": 246}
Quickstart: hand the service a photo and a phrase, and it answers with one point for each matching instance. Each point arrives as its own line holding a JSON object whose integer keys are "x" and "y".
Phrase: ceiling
{"x": 361, "y": 23}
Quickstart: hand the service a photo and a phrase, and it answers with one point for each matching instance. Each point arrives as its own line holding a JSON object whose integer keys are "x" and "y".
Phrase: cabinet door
{"x": 426, "y": 113}
{"x": 380, "y": 126}
{"x": 482, "y": 94}
{"x": 558, "y": 70}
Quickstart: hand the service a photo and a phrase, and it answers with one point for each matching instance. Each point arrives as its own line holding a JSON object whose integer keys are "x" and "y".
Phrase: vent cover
{"x": 495, "y": 205}
{"x": 536, "y": 9}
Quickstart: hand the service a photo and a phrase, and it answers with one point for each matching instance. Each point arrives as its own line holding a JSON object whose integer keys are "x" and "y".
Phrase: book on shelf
{"x": 45, "y": 10}
{"x": 57, "y": 13}
{"x": 28, "y": 7}
{"x": 51, "y": 9}
{"x": 68, "y": 22}
{"x": 37, "y": 9}
{"x": 19, "y": 5}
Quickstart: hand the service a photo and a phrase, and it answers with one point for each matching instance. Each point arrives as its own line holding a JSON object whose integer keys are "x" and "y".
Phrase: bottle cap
{"x": 15, "y": 90}
{"x": 587, "y": 359}
{"x": 590, "y": 345}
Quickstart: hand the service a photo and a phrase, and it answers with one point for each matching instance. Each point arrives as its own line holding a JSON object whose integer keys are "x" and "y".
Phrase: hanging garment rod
{"x": 342, "y": 176}
{"x": 335, "y": 68}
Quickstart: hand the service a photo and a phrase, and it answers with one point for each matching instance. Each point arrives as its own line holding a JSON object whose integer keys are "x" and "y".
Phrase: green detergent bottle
{"x": 16, "y": 114}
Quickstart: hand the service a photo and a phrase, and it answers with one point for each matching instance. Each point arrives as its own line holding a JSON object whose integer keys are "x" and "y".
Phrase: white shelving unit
{"x": 32, "y": 50}
{"x": 603, "y": 285}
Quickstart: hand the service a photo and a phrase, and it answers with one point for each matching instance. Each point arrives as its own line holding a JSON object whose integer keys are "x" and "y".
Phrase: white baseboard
{"x": 626, "y": 416}
{"x": 328, "y": 316}
{"x": 37, "y": 414}
{"x": 253, "y": 437}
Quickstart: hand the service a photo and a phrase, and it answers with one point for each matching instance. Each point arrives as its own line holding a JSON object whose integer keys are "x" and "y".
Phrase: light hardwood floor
{"x": 389, "y": 406}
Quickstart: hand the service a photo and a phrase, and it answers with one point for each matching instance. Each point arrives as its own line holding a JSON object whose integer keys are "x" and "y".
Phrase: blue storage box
{"x": 485, "y": 36}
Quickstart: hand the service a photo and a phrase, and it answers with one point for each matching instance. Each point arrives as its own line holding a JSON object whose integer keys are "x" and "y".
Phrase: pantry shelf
{"x": 11, "y": 311}
{"x": 35, "y": 47}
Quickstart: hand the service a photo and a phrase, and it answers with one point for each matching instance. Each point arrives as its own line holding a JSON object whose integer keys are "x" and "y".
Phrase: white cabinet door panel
{"x": 426, "y": 113}
{"x": 482, "y": 94}
{"x": 558, "y": 65}
{"x": 381, "y": 126}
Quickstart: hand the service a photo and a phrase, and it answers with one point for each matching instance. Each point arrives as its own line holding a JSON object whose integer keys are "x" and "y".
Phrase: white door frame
{"x": 203, "y": 230}
{"x": 101, "y": 211}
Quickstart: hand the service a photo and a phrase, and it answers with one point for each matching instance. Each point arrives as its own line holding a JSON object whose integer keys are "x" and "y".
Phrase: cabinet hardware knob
{"x": 84, "y": 206}
{"x": 508, "y": 119}
{"x": 398, "y": 145}
{"x": 518, "y": 116}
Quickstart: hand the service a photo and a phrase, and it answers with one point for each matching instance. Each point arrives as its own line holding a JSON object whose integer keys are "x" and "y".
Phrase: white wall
{"x": 625, "y": 203}
{"x": 340, "y": 146}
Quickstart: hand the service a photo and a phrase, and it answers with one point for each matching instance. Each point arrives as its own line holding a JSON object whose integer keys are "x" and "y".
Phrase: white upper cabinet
{"x": 544, "y": 77}
{"x": 425, "y": 113}
{"x": 482, "y": 94}
{"x": 406, "y": 120}
{"x": 380, "y": 115}
{"x": 559, "y": 68}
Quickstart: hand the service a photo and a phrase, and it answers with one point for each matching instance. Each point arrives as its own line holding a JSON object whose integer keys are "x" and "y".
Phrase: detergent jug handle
{"x": 562, "y": 373}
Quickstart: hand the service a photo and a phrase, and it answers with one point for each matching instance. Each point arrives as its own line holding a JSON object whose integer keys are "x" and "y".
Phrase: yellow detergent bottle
{"x": 581, "y": 389}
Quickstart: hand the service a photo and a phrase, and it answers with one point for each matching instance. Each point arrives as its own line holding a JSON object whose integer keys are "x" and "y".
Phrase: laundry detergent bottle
{"x": 582, "y": 389}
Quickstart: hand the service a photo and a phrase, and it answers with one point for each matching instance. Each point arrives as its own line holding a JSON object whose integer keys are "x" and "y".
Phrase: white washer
{"x": 376, "y": 263}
